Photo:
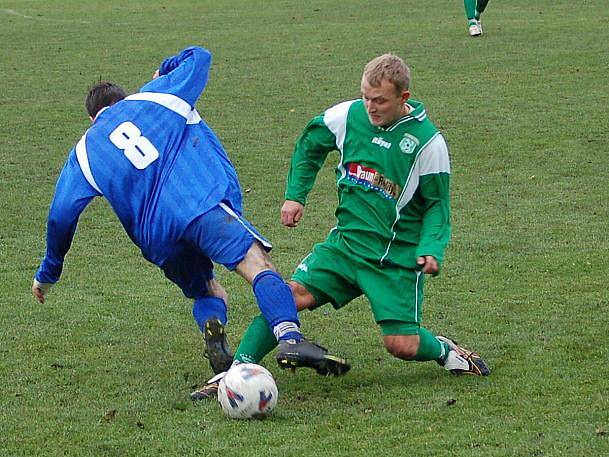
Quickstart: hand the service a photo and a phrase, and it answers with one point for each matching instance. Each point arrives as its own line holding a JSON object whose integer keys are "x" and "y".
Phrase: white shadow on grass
{"x": 38, "y": 18}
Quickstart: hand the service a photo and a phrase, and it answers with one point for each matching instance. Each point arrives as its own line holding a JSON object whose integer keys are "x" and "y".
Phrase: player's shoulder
{"x": 343, "y": 106}
{"x": 341, "y": 110}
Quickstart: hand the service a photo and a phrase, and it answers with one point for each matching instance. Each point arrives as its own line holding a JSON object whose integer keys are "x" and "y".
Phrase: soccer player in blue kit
{"x": 177, "y": 195}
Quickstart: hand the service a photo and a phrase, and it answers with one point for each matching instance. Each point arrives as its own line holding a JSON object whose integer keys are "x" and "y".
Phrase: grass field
{"x": 105, "y": 367}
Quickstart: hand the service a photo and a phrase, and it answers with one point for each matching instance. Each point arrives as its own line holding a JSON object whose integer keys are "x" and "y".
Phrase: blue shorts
{"x": 221, "y": 236}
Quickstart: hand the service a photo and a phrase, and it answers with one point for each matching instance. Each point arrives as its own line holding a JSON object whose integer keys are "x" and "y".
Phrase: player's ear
{"x": 405, "y": 96}
{"x": 91, "y": 119}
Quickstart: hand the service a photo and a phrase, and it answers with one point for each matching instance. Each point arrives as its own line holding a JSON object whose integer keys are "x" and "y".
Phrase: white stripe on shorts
{"x": 265, "y": 243}
{"x": 416, "y": 297}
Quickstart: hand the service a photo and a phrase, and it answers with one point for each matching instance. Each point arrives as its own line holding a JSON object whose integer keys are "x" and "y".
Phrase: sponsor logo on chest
{"x": 381, "y": 142}
{"x": 408, "y": 143}
{"x": 371, "y": 178}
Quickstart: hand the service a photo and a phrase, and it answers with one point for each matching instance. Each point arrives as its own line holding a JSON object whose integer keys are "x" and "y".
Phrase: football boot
{"x": 474, "y": 27}
{"x": 217, "y": 349}
{"x": 209, "y": 390}
{"x": 295, "y": 354}
{"x": 463, "y": 361}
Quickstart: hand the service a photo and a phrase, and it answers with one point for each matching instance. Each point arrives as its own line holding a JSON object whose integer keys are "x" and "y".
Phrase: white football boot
{"x": 475, "y": 28}
{"x": 463, "y": 361}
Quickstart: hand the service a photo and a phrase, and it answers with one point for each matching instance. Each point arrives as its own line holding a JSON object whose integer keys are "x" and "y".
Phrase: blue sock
{"x": 205, "y": 308}
{"x": 275, "y": 299}
{"x": 296, "y": 336}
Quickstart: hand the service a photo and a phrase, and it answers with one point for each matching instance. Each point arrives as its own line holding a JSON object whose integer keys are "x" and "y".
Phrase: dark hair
{"x": 101, "y": 95}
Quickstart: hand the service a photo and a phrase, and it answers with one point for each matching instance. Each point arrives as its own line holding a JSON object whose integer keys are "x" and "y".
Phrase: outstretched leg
{"x": 424, "y": 347}
{"x": 279, "y": 309}
{"x": 258, "y": 341}
{"x": 227, "y": 238}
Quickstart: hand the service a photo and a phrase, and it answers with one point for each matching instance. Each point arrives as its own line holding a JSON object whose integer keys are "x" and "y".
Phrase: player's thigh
{"x": 224, "y": 236}
{"x": 328, "y": 275}
{"x": 395, "y": 296}
{"x": 190, "y": 270}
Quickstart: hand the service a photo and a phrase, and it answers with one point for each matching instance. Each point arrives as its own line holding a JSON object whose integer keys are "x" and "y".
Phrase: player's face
{"x": 384, "y": 103}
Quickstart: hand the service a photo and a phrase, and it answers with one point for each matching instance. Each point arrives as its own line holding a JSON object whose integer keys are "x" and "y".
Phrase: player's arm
{"x": 310, "y": 152}
{"x": 72, "y": 194}
{"x": 435, "y": 190}
{"x": 323, "y": 134}
{"x": 184, "y": 75}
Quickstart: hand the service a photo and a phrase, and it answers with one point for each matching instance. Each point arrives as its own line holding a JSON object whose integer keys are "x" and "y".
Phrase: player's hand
{"x": 291, "y": 213}
{"x": 428, "y": 265}
{"x": 39, "y": 289}
{"x": 37, "y": 292}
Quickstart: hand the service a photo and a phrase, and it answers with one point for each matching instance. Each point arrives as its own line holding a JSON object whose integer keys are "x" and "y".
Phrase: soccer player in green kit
{"x": 393, "y": 220}
{"x": 473, "y": 10}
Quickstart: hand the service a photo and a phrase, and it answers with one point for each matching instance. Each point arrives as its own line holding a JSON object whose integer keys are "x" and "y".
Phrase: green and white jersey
{"x": 393, "y": 182}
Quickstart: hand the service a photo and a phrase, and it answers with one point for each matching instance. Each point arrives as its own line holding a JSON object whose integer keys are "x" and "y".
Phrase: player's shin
{"x": 277, "y": 305}
{"x": 429, "y": 347}
{"x": 257, "y": 342}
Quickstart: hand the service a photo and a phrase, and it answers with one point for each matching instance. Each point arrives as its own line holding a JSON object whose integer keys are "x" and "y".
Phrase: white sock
{"x": 285, "y": 327}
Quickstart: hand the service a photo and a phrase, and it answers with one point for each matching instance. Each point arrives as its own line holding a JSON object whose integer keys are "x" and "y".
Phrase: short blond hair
{"x": 388, "y": 67}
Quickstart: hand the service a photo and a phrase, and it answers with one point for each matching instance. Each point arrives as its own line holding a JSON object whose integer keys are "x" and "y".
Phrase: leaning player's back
{"x": 158, "y": 172}
{"x": 155, "y": 160}
{"x": 131, "y": 149}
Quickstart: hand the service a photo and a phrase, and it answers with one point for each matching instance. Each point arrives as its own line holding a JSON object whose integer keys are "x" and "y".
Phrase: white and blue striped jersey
{"x": 153, "y": 158}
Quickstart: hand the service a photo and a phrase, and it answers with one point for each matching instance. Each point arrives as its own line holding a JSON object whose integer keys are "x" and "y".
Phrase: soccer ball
{"x": 247, "y": 391}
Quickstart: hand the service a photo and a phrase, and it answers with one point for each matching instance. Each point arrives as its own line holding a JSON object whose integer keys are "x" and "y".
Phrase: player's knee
{"x": 402, "y": 346}
{"x": 303, "y": 298}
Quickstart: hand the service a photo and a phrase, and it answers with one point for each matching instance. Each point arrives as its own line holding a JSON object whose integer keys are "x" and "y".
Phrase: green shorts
{"x": 332, "y": 273}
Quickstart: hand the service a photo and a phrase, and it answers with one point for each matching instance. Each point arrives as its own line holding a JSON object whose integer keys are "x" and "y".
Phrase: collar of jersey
{"x": 417, "y": 113}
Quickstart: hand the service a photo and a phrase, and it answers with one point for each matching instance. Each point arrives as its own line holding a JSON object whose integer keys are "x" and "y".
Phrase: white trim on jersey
{"x": 335, "y": 119}
{"x": 265, "y": 243}
{"x": 83, "y": 161}
{"x": 171, "y": 102}
{"x": 432, "y": 158}
{"x": 416, "y": 297}
{"x": 419, "y": 117}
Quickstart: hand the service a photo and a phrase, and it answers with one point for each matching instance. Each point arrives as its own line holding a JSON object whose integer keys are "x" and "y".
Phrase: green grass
{"x": 105, "y": 366}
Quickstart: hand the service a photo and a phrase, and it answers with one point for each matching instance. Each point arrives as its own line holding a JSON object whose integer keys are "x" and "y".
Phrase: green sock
{"x": 257, "y": 342}
{"x": 470, "y": 9}
{"x": 481, "y": 6}
{"x": 430, "y": 348}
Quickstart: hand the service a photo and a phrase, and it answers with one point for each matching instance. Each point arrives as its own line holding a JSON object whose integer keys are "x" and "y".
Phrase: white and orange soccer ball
{"x": 247, "y": 391}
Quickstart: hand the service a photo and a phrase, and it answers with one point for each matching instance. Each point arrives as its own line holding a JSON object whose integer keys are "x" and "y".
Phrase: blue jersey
{"x": 155, "y": 161}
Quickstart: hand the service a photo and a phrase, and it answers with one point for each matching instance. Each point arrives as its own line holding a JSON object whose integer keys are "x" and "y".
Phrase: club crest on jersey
{"x": 408, "y": 144}
{"x": 371, "y": 178}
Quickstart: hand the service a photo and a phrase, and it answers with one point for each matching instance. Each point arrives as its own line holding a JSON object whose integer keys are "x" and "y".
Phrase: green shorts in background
{"x": 334, "y": 274}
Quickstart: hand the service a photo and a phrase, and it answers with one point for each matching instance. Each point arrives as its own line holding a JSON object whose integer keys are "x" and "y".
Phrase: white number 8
{"x": 137, "y": 148}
